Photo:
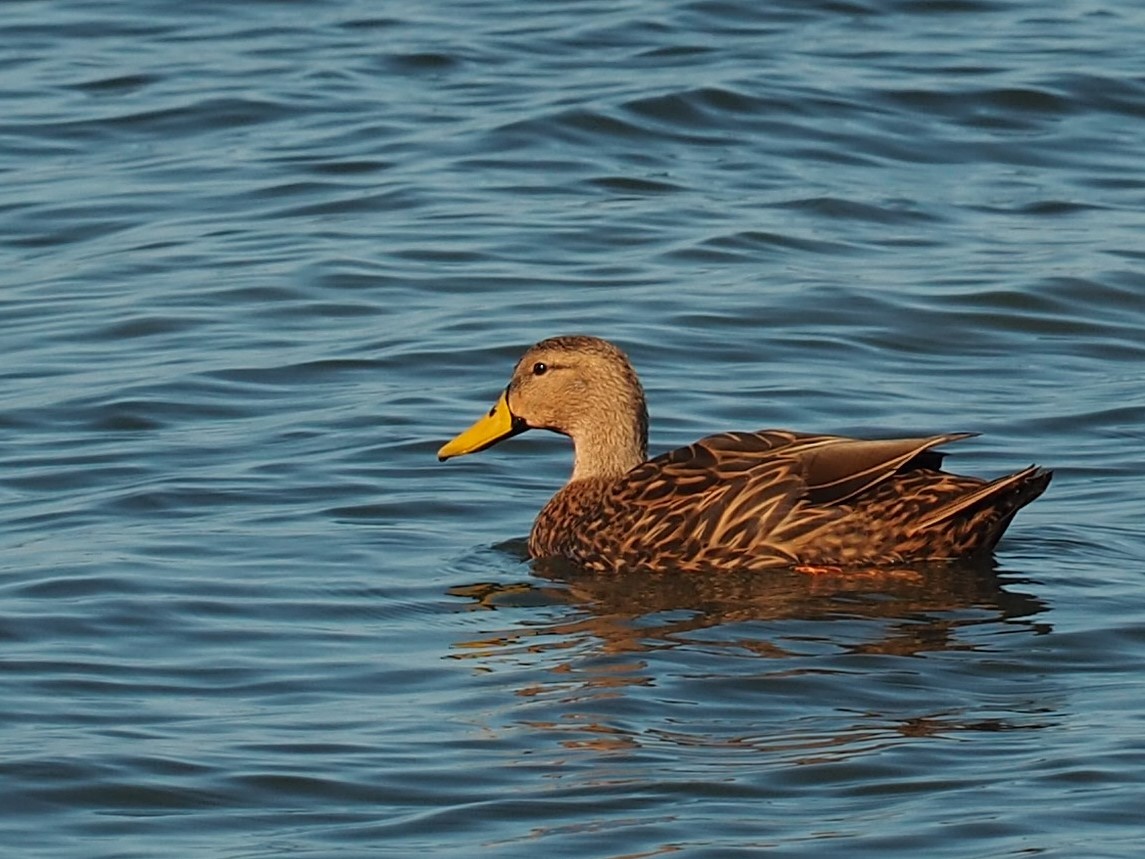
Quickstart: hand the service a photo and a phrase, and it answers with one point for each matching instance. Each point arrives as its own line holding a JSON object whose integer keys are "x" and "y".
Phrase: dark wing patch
{"x": 842, "y": 468}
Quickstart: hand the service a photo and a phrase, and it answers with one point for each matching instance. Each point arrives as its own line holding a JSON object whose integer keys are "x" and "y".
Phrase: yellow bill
{"x": 498, "y": 425}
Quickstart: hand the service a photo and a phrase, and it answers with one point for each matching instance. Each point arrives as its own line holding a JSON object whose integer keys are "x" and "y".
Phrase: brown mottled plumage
{"x": 743, "y": 500}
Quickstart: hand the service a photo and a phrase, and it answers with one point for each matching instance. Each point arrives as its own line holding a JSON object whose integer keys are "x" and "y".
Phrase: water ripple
{"x": 262, "y": 263}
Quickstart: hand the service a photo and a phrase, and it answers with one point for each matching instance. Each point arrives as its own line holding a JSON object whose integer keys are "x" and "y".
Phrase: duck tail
{"x": 978, "y": 519}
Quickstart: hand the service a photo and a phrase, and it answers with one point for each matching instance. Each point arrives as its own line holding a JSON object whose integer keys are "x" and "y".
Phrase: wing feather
{"x": 772, "y": 486}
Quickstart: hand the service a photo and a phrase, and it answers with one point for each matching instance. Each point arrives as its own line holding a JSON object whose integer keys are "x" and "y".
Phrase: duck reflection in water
{"x": 691, "y": 652}
{"x": 904, "y": 610}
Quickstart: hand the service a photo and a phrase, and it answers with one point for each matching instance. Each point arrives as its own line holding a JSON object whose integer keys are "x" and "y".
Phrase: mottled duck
{"x": 735, "y": 500}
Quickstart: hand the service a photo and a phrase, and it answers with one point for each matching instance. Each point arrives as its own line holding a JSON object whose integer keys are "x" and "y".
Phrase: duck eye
{"x": 540, "y": 368}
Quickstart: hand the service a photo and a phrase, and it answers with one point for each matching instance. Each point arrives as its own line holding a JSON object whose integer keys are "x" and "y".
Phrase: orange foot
{"x": 816, "y": 570}
{"x": 859, "y": 572}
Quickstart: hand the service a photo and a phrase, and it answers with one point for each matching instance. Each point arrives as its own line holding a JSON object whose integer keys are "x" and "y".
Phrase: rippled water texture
{"x": 262, "y": 258}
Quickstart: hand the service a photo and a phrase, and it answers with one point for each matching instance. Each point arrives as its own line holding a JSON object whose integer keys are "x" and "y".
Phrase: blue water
{"x": 261, "y": 259}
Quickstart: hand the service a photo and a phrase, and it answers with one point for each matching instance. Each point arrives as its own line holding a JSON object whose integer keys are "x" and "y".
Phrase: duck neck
{"x": 609, "y": 449}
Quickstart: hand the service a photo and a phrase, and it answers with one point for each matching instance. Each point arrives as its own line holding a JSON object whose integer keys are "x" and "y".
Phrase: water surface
{"x": 262, "y": 259}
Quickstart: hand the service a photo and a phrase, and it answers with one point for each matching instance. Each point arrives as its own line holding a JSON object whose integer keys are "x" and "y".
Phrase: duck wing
{"x": 822, "y": 469}
{"x": 757, "y": 491}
